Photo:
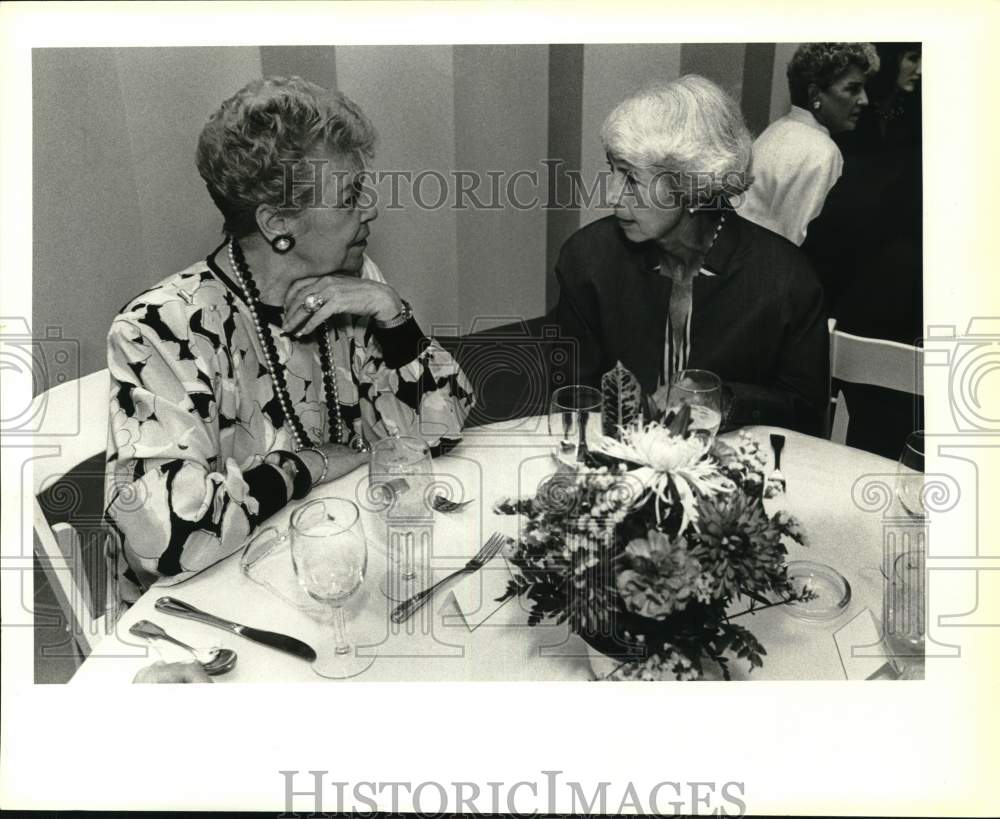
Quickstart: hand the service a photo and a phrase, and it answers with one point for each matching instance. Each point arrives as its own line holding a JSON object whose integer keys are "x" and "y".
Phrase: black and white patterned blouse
{"x": 193, "y": 412}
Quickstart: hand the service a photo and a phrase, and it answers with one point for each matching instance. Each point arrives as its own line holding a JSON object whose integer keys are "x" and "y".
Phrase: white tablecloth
{"x": 510, "y": 459}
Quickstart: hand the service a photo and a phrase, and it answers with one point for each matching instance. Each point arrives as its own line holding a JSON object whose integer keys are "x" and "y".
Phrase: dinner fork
{"x": 778, "y": 444}
{"x": 406, "y": 609}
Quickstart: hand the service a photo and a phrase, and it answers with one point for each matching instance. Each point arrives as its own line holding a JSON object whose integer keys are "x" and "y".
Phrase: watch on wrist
{"x": 402, "y": 317}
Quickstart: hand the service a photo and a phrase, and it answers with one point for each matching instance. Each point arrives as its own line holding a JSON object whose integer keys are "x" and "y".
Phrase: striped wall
{"x": 118, "y": 203}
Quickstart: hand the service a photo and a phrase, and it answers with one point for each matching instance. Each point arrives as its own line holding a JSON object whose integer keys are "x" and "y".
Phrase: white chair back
{"x": 872, "y": 361}
{"x": 74, "y": 428}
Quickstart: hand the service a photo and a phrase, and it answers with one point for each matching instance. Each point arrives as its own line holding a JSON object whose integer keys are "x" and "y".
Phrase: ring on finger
{"x": 313, "y": 302}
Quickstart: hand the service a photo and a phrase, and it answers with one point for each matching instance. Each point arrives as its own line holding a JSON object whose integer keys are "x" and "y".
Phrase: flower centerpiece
{"x": 645, "y": 549}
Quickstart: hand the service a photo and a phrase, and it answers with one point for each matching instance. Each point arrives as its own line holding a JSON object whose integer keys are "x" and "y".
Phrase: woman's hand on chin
{"x": 341, "y": 294}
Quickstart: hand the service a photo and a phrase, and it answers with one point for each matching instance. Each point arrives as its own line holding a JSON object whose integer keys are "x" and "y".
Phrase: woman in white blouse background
{"x": 795, "y": 161}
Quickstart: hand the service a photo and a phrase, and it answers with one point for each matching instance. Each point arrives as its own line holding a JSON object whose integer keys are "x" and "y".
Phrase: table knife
{"x": 282, "y": 642}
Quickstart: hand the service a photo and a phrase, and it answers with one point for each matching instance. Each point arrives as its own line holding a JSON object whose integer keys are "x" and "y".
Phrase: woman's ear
{"x": 813, "y": 91}
{"x": 272, "y": 222}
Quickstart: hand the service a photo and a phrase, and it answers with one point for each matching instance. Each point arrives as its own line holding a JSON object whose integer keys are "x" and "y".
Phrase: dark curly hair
{"x": 824, "y": 64}
{"x": 266, "y": 129}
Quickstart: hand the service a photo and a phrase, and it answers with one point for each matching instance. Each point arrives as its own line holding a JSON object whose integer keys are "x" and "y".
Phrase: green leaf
{"x": 621, "y": 400}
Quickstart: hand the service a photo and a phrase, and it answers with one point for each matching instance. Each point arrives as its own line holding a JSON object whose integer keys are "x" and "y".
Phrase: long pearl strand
{"x": 273, "y": 366}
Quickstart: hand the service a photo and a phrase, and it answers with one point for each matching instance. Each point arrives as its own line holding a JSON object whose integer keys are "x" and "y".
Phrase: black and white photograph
{"x": 417, "y": 379}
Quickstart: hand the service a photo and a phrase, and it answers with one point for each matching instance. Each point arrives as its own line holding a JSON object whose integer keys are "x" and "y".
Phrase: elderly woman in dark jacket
{"x": 677, "y": 279}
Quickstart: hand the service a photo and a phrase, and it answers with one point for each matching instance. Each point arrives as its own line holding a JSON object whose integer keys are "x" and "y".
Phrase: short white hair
{"x": 689, "y": 127}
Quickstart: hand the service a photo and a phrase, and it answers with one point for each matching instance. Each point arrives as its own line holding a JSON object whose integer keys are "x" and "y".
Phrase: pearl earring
{"x": 283, "y": 243}
{"x": 816, "y": 105}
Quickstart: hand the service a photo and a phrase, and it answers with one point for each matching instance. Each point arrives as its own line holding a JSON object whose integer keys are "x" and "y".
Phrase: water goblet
{"x": 400, "y": 476}
{"x": 330, "y": 558}
{"x": 910, "y": 475}
{"x": 575, "y": 418}
{"x": 904, "y": 615}
{"x": 700, "y": 390}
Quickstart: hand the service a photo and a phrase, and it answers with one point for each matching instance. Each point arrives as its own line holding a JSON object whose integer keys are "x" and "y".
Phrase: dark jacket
{"x": 758, "y": 322}
{"x": 867, "y": 243}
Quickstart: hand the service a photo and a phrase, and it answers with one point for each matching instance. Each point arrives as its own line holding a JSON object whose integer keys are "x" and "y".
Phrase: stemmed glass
{"x": 399, "y": 481}
{"x": 330, "y": 559}
{"x": 910, "y": 475}
{"x": 904, "y": 616}
{"x": 701, "y": 390}
{"x": 574, "y": 417}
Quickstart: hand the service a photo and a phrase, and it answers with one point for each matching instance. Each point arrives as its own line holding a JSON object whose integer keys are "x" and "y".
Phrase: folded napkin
{"x": 862, "y": 654}
{"x": 475, "y": 595}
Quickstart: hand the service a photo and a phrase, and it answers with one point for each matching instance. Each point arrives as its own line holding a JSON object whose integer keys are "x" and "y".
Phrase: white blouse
{"x": 795, "y": 165}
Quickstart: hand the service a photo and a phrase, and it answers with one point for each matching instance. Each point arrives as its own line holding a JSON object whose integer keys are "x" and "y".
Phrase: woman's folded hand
{"x": 341, "y": 294}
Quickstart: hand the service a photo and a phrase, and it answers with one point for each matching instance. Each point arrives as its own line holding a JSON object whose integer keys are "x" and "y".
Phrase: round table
{"x": 446, "y": 641}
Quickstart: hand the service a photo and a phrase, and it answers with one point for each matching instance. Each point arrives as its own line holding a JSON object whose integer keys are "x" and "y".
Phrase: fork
{"x": 407, "y": 608}
{"x": 778, "y": 444}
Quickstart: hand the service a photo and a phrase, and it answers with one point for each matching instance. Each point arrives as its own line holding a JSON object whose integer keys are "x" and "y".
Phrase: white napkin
{"x": 475, "y": 594}
{"x": 862, "y": 653}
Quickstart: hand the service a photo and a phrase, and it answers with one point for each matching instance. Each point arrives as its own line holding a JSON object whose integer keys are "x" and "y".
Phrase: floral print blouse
{"x": 193, "y": 412}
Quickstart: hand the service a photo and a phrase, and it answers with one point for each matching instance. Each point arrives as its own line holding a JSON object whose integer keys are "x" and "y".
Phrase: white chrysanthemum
{"x": 669, "y": 459}
{"x": 661, "y": 450}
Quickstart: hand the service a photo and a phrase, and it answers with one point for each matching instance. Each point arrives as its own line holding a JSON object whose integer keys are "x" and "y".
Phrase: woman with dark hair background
{"x": 867, "y": 243}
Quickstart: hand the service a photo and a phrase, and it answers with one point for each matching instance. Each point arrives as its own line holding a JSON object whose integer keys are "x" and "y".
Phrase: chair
{"x": 73, "y": 432}
{"x": 872, "y": 361}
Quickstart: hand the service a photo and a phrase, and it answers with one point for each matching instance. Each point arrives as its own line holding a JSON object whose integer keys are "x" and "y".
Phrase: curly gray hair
{"x": 690, "y": 128}
{"x": 266, "y": 130}
{"x": 823, "y": 64}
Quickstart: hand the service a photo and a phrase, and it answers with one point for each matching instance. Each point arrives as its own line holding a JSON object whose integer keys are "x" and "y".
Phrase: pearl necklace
{"x": 705, "y": 252}
{"x": 274, "y": 368}
{"x": 718, "y": 230}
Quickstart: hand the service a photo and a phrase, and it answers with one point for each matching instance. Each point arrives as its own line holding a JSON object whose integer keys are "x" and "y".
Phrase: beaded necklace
{"x": 274, "y": 368}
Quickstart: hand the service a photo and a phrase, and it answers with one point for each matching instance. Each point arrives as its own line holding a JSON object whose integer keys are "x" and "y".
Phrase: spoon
{"x": 213, "y": 660}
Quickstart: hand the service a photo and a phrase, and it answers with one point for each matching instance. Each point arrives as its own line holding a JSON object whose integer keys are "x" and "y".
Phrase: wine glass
{"x": 399, "y": 481}
{"x": 904, "y": 617}
{"x": 330, "y": 558}
{"x": 575, "y": 418}
{"x": 910, "y": 475}
{"x": 700, "y": 390}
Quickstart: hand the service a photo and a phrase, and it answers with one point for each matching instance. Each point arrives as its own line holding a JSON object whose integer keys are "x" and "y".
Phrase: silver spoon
{"x": 213, "y": 660}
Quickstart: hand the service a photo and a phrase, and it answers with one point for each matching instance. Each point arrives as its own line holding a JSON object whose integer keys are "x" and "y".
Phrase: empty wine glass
{"x": 910, "y": 475}
{"x": 400, "y": 476}
{"x": 700, "y": 390}
{"x": 330, "y": 559}
{"x": 575, "y": 419}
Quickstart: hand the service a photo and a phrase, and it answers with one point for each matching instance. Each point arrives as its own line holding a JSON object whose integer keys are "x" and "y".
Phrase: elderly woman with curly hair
{"x": 268, "y": 367}
{"x": 796, "y": 162}
{"x": 677, "y": 279}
